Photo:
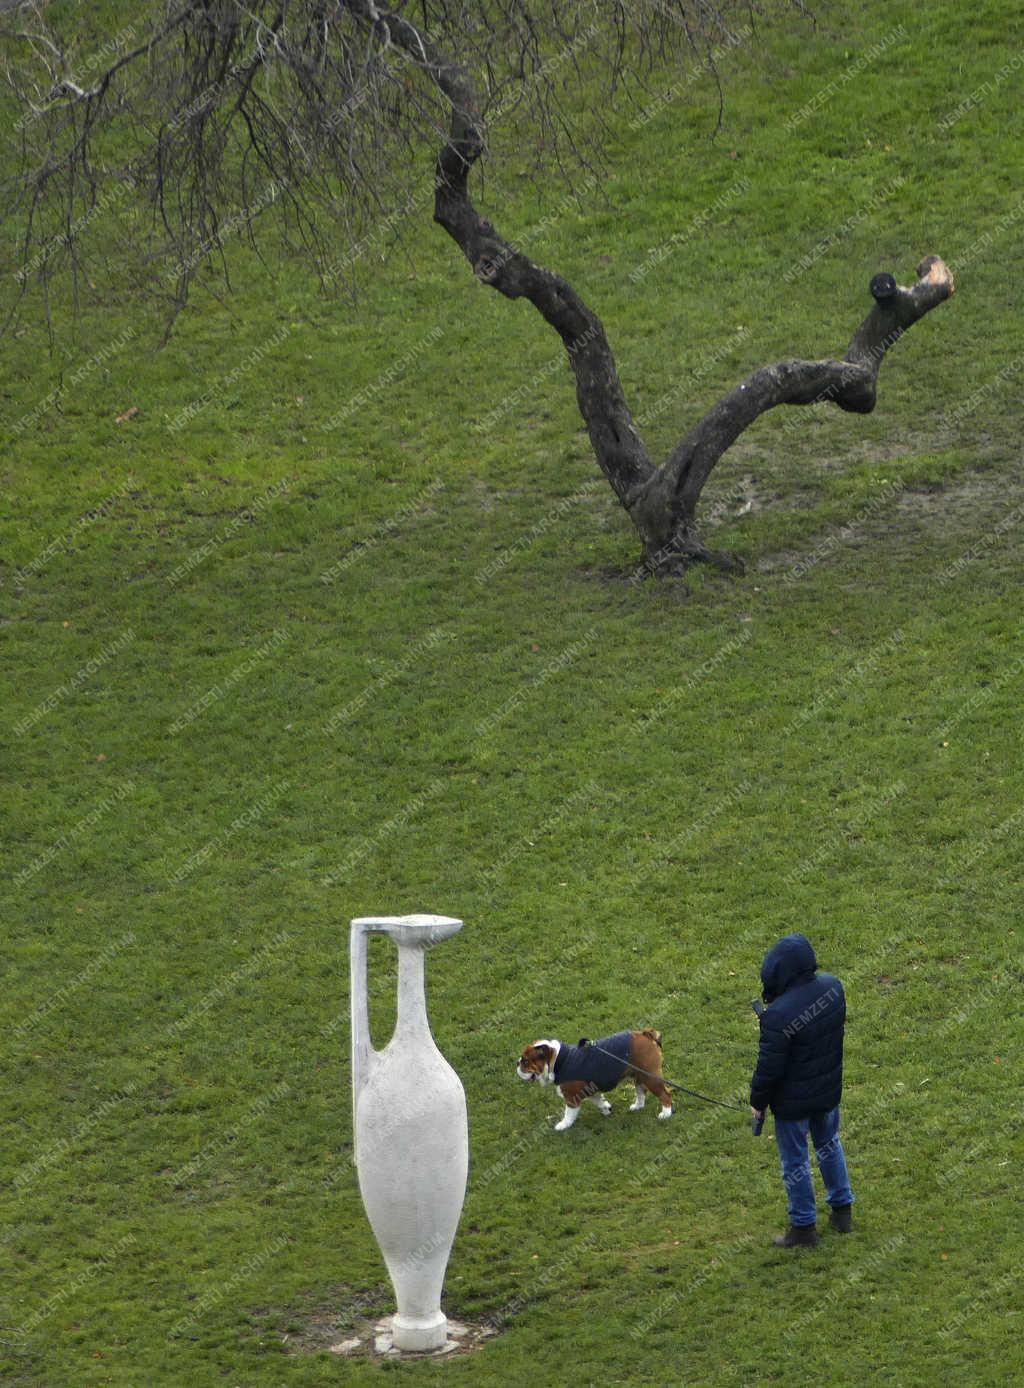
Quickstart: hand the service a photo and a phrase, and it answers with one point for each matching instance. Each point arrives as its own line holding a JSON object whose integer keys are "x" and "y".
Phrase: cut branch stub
{"x": 899, "y": 310}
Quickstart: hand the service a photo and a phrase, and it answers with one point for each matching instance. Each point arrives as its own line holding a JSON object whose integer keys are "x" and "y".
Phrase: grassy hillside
{"x": 266, "y": 675}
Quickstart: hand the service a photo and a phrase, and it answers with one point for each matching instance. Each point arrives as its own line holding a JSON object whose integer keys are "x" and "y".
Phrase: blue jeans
{"x": 791, "y": 1136}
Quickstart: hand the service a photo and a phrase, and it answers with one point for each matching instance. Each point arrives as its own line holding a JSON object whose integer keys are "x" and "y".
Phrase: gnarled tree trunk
{"x": 661, "y": 501}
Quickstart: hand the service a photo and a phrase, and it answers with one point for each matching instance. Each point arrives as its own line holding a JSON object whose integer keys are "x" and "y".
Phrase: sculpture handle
{"x": 363, "y": 1053}
{"x": 417, "y": 931}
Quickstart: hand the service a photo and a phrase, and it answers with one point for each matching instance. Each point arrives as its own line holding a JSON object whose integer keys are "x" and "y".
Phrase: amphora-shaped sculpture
{"x": 411, "y": 1131}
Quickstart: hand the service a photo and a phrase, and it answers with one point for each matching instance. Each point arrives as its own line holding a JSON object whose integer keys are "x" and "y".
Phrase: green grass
{"x": 478, "y": 716}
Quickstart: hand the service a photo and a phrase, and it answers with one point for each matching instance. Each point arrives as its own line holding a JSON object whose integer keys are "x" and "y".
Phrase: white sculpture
{"x": 411, "y": 1132}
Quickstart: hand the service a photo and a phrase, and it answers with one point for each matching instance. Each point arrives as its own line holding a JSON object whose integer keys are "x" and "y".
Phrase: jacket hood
{"x": 790, "y": 961}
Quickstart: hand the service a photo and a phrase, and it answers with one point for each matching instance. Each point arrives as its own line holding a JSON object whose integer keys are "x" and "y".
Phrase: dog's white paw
{"x": 635, "y": 1108}
{"x": 561, "y": 1127}
{"x": 665, "y": 1113}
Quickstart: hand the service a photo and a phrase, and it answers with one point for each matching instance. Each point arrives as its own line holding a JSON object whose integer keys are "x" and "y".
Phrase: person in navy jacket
{"x": 799, "y": 1076}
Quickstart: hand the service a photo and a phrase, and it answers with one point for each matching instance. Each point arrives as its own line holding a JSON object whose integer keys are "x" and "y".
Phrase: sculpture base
{"x": 374, "y": 1340}
{"x": 419, "y": 1332}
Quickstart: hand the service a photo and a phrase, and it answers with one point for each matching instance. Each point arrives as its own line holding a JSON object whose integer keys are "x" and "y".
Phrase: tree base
{"x": 676, "y": 557}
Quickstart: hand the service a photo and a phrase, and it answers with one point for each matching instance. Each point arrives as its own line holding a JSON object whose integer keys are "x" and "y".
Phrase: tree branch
{"x": 671, "y": 496}
{"x": 497, "y": 263}
{"x": 64, "y": 87}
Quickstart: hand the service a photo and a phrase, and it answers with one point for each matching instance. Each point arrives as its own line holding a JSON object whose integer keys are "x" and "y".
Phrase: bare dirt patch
{"x": 355, "y": 1325}
{"x": 946, "y": 512}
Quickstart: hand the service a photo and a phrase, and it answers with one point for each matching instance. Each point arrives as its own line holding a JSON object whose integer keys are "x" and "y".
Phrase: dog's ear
{"x": 543, "y": 1050}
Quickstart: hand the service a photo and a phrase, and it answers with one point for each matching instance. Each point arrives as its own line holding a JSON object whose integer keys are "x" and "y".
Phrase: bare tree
{"x": 221, "y": 115}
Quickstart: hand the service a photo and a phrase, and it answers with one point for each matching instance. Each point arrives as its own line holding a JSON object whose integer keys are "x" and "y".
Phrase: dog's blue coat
{"x": 592, "y": 1065}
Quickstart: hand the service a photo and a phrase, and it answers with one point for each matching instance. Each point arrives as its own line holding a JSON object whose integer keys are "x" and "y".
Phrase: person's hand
{"x": 757, "y": 1112}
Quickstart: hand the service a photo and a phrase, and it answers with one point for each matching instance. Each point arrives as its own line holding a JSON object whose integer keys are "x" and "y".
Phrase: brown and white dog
{"x": 588, "y": 1070}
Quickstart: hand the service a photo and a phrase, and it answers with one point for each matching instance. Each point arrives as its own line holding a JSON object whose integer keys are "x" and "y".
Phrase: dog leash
{"x": 670, "y": 1083}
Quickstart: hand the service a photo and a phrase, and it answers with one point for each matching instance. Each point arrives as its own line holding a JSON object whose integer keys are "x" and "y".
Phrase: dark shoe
{"x": 798, "y": 1236}
{"x": 841, "y": 1219}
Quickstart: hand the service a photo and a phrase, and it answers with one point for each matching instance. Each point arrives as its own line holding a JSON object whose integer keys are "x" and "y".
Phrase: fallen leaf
{"x": 128, "y": 414}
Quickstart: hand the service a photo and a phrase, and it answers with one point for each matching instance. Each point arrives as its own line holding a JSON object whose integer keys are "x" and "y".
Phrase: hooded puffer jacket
{"x": 800, "y": 1059}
